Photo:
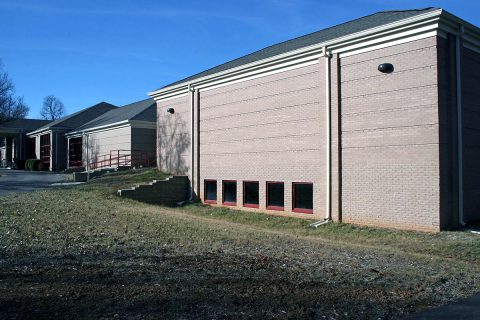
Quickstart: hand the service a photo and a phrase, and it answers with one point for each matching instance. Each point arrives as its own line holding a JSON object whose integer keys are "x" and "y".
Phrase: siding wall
{"x": 173, "y": 135}
{"x": 390, "y": 137}
{"x": 143, "y": 143}
{"x": 101, "y": 143}
{"x": 471, "y": 133}
{"x": 266, "y": 129}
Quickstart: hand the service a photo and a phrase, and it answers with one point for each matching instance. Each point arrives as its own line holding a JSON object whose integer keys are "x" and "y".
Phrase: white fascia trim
{"x": 418, "y": 27}
{"x": 390, "y": 43}
{"x": 38, "y": 132}
{"x": 264, "y": 72}
{"x": 171, "y": 97}
{"x": 99, "y": 128}
{"x": 292, "y": 55}
{"x": 140, "y": 124}
{"x": 72, "y": 136}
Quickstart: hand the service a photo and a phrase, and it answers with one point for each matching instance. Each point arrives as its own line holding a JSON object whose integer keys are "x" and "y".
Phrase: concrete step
{"x": 170, "y": 191}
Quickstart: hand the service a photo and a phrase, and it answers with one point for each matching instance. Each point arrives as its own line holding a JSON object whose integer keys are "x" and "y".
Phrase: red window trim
{"x": 205, "y": 191}
{"x": 227, "y": 203}
{"x": 250, "y": 205}
{"x": 277, "y": 208}
{"x": 299, "y": 210}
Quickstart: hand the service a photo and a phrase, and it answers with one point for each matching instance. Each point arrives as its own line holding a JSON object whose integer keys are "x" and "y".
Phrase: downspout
{"x": 56, "y": 150}
{"x": 68, "y": 152}
{"x": 458, "y": 66}
{"x": 191, "y": 89}
{"x": 87, "y": 166}
{"x": 328, "y": 106}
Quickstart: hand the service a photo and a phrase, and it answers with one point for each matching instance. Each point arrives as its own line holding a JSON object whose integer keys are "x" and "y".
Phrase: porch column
{"x": 8, "y": 149}
{"x": 19, "y": 147}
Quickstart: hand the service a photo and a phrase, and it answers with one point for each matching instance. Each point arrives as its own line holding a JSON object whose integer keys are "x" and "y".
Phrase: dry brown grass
{"x": 84, "y": 253}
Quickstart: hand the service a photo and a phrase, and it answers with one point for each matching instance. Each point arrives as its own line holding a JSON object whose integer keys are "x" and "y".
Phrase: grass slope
{"x": 82, "y": 252}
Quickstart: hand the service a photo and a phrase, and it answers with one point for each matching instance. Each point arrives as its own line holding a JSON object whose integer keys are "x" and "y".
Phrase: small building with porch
{"x": 14, "y": 143}
{"x": 50, "y": 141}
{"x": 124, "y": 136}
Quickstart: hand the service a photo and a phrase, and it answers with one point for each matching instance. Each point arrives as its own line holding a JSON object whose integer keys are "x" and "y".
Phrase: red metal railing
{"x": 75, "y": 150}
{"x": 123, "y": 158}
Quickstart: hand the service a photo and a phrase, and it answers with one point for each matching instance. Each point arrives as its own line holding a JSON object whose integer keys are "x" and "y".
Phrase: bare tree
{"x": 52, "y": 108}
{"x": 11, "y": 107}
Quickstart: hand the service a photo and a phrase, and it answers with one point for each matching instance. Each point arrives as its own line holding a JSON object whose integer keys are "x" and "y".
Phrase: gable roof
{"x": 23, "y": 125}
{"x": 78, "y": 118}
{"x": 340, "y": 30}
{"x": 143, "y": 110}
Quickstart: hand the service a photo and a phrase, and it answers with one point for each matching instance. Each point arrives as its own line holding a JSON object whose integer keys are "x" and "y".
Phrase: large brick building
{"x": 375, "y": 121}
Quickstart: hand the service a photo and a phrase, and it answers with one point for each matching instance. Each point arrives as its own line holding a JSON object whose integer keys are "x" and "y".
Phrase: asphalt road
{"x": 465, "y": 309}
{"x": 23, "y": 181}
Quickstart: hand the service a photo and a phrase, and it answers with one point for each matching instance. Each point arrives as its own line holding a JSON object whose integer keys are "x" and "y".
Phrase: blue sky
{"x": 88, "y": 51}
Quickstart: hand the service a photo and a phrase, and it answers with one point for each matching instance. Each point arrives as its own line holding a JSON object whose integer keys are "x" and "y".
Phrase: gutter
{"x": 328, "y": 132}
{"x": 191, "y": 89}
{"x": 430, "y": 17}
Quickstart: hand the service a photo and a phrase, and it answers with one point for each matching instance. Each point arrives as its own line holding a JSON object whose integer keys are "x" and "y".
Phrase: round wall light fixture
{"x": 386, "y": 67}
{"x": 171, "y": 110}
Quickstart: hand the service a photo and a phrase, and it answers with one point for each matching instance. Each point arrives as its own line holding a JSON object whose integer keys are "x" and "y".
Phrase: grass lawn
{"x": 82, "y": 252}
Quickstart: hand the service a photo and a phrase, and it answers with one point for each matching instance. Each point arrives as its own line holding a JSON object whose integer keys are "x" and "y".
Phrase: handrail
{"x": 118, "y": 158}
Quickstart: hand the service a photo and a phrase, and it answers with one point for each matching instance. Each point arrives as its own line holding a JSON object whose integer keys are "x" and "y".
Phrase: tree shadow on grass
{"x": 204, "y": 286}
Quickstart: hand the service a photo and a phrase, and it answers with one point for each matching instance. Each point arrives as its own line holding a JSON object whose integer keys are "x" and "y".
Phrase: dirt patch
{"x": 83, "y": 253}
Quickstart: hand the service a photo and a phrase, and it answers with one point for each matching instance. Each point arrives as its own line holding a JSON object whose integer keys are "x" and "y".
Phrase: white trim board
{"x": 434, "y": 23}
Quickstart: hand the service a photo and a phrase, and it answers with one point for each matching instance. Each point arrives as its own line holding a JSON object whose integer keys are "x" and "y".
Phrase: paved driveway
{"x": 23, "y": 181}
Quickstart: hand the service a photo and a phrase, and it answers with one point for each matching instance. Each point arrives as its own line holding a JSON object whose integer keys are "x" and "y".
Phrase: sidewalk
{"x": 465, "y": 309}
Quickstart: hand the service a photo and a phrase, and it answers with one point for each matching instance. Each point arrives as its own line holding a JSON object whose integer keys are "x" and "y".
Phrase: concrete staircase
{"x": 167, "y": 192}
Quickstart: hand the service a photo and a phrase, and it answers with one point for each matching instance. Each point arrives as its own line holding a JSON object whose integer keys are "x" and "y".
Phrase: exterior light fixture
{"x": 386, "y": 68}
{"x": 171, "y": 110}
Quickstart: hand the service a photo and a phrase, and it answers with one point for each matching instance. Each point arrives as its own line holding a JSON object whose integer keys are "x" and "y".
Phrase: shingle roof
{"x": 344, "y": 29}
{"x": 142, "y": 110}
{"x": 77, "y": 119}
{"x": 23, "y": 124}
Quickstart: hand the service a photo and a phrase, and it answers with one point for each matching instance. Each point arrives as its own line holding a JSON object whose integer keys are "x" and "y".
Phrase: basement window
{"x": 250, "y": 194}
{"x": 229, "y": 192}
{"x": 275, "y": 195}
{"x": 210, "y": 192}
{"x": 302, "y": 197}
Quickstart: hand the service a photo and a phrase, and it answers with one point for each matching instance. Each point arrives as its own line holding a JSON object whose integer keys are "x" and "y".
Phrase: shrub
{"x": 34, "y": 165}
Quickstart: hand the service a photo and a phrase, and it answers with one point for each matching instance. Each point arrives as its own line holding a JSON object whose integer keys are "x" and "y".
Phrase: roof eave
{"x": 337, "y": 43}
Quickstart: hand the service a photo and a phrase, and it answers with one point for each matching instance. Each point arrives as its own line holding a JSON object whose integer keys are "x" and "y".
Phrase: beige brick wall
{"x": 273, "y": 129}
{"x": 267, "y": 129}
{"x": 390, "y": 138}
{"x": 102, "y": 142}
{"x": 173, "y": 135}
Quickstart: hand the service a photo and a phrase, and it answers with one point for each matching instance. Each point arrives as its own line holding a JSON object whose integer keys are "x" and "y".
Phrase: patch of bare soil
{"x": 210, "y": 286}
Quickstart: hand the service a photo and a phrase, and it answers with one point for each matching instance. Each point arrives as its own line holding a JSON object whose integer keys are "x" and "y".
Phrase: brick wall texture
{"x": 387, "y": 134}
{"x": 471, "y": 133}
{"x": 390, "y": 145}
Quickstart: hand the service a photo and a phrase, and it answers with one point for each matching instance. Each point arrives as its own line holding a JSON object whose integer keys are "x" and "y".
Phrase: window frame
{"x": 276, "y": 208}
{"x": 205, "y": 200}
{"x": 300, "y": 210}
{"x": 229, "y": 203}
{"x": 251, "y": 205}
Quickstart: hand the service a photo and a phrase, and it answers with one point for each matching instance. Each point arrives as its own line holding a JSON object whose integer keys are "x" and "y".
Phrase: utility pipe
{"x": 192, "y": 141}
{"x": 458, "y": 66}
{"x": 328, "y": 107}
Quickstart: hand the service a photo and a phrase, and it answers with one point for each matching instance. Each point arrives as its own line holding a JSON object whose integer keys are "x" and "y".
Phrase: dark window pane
{"x": 250, "y": 193}
{"x": 230, "y": 191}
{"x": 210, "y": 190}
{"x": 303, "y": 196}
{"x": 275, "y": 194}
